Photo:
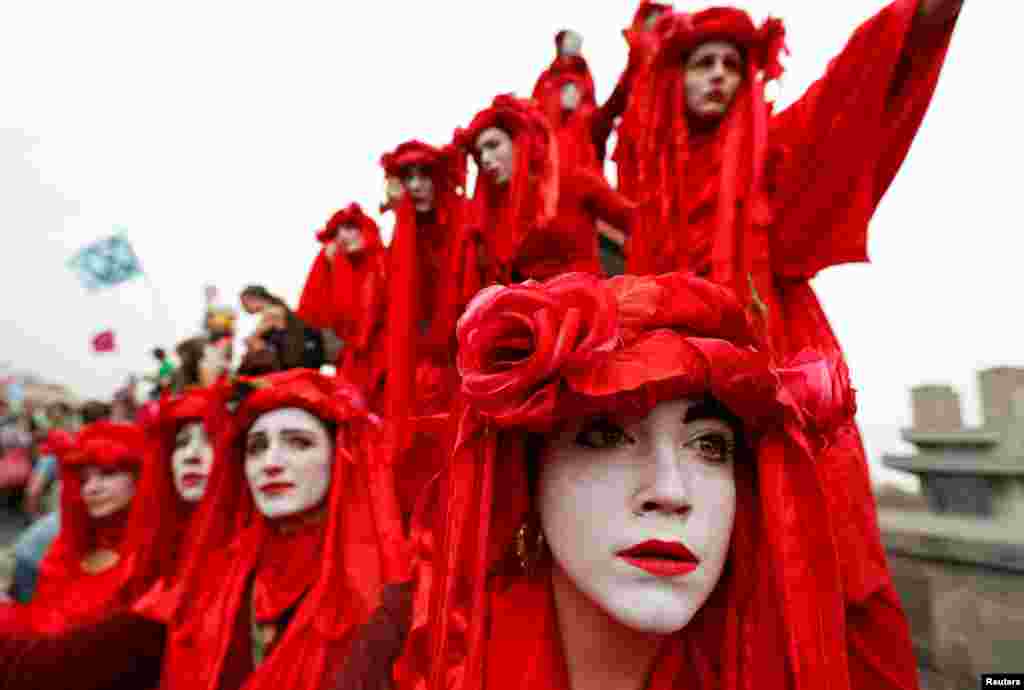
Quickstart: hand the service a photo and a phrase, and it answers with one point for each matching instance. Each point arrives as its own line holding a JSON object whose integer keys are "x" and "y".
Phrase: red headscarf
{"x": 66, "y": 595}
{"x": 659, "y": 106}
{"x": 411, "y": 297}
{"x": 362, "y": 547}
{"x": 534, "y": 356}
{"x": 328, "y": 300}
{"x": 531, "y": 199}
{"x": 164, "y": 554}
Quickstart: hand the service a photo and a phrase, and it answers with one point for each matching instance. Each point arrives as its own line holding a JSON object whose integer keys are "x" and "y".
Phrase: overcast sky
{"x": 221, "y": 135}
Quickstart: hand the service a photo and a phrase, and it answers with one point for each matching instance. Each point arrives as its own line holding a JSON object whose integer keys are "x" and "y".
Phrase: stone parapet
{"x": 936, "y": 408}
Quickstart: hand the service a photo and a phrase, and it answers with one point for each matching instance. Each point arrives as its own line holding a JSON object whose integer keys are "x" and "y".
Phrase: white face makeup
{"x": 350, "y": 239}
{"x": 570, "y": 96}
{"x": 420, "y": 186}
{"x": 571, "y": 44}
{"x": 495, "y": 153}
{"x": 106, "y": 491}
{"x": 288, "y": 457}
{"x": 714, "y": 72}
{"x": 639, "y": 517}
{"x": 191, "y": 461}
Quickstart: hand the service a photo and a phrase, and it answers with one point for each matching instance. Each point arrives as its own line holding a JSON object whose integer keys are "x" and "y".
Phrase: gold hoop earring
{"x": 529, "y": 547}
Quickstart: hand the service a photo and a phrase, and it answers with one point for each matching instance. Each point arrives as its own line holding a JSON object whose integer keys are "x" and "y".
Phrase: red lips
{"x": 661, "y": 558}
{"x": 275, "y": 488}
{"x": 193, "y": 479}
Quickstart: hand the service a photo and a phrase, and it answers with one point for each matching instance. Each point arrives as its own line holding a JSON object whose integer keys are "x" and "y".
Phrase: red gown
{"x": 826, "y": 162}
{"x": 347, "y": 295}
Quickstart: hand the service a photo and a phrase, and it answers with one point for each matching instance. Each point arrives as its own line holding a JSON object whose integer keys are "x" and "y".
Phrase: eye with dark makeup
{"x": 714, "y": 447}
{"x": 601, "y": 433}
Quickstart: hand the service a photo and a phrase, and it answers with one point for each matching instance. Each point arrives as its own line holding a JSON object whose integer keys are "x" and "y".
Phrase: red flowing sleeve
{"x": 315, "y": 302}
{"x": 605, "y": 202}
{"x": 840, "y": 145}
{"x": 372, "y": 292}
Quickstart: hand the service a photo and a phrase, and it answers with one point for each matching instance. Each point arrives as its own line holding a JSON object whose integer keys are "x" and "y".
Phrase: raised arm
{"x": 840, "y": 145}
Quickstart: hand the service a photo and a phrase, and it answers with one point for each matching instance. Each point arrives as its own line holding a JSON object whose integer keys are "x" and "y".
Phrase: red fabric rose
{"x": 516, "y": 343}
{"x": 820, "y": 388}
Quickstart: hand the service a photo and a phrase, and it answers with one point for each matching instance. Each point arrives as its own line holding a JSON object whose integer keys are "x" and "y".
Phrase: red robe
{"x": 831, "y": 157}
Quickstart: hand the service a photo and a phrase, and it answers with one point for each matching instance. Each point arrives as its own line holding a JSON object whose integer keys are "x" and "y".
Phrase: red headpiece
{"x": 658, "y": 111}
{"x": 564, "y": 69}
{"x": 532, "y": 198}
{"x": 362, "y": 545}
{"x": 534, "y": 356}
{"x": 353, "y": 215}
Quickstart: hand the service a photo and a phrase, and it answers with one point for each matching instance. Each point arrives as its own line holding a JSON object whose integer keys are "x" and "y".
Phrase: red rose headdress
{"x": 536, "y": 355}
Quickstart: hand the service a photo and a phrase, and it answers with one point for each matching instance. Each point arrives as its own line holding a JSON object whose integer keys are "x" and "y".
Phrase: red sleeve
{"x": 372, "y": 303}
{"x": 604, "y": 202}
{"x": 315, "y": 302}
{"x": 839, "y": 146}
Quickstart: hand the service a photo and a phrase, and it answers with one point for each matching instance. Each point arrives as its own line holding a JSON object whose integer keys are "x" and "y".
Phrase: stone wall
{"x": 965, "y": 620}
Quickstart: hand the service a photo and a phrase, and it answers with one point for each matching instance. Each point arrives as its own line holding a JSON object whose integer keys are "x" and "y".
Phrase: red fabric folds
{"x": 536, "y": 355}
{"x": 209, "y": 642}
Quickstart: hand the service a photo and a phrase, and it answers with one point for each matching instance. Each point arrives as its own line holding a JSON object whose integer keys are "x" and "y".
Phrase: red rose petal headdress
{"x": 535, "y": 355}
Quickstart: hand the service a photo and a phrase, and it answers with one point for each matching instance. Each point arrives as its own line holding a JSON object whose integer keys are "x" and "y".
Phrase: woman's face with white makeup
{"x": 639, "y": 516}
{"x": 420, "y": 186}
{"x": 106, "y": 491}
{"x": 495, "y": 153}
{"x": 714, "y": 72}
{"x": 191, "y": 461}
{"x": 570, "y": 96}
{"x": 288, "y": 457}
{"x": 350, "y": 238}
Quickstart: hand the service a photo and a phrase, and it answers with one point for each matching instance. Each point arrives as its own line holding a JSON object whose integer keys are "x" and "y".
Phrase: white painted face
{"x": 191, "y": 461}
{"x": 496, "y": 154}
{"x": 639, "y": 517}
{"x": 288, "y": 458}
{"x": 106, "y": 491}
{"x": 571, "y": 44}
{"x": 420, "y": 186}
{"x": 570, "y": 96}
{"x": 350, "y": 239}
{"x": 714, "y": 72}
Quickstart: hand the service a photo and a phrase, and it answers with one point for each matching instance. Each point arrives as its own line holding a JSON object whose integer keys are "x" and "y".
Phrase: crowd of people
{"x": 570, "y": 434}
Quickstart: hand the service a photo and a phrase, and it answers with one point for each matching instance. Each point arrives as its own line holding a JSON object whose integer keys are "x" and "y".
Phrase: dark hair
{"x": 292, "y": 354}
{"x": 95, "y": 411}
{"x": 191, "y": 353}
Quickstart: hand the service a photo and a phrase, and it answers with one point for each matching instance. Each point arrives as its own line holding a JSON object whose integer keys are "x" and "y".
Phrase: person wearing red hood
{"x": 103, "y": 559}
{"x": 345, "y": 292}
{"x": 535, "y": 218}
{"x": 633, "y": 500}
{"x": 761, "y": 202}
{"x": 292, "y": 545}
{"x": 434, "y": 271}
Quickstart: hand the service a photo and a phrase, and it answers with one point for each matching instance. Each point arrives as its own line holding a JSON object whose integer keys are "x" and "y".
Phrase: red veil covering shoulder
{"x": 541, "y": 223}
{"x": 78, "y": 622}
{"x": 434, "y": 272}
{"x": 360, "y": 549}
{"x": 534, "y": 356}
{"x": 168, "y": 551}
{"x": 582, "y": 133}
{"x": 346, "y": 294}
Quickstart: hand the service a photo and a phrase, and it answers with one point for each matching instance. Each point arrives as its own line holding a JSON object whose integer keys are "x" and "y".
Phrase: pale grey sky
{"x": 221, "y": 135}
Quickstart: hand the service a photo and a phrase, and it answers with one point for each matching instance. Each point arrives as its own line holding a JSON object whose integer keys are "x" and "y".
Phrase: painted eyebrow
{"x": 706, "y": 409}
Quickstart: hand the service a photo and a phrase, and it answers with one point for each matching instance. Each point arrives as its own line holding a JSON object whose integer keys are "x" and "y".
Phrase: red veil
{"x": 535, "y": 355}
{"x": 360, "y": 548}
{"x": 506, "y": 217}
{"x": 346, "y": 295}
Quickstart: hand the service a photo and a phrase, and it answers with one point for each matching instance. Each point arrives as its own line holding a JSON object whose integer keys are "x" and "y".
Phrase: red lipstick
{"x": 275, "y": 488}
{"x": 193, "y": 479}
{"x": 661, "y": 558}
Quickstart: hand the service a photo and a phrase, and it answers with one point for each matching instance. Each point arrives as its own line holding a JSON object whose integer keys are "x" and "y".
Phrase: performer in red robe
{"x": 104, "y": 557}
{"x": 434, "y": 271}
{"x": 762, "y": 202}
{"x": 535, "y": 219}
{"x": 292, "y": 545}
{"x": 634, "y": 500}
{"x": 345, "y": 292}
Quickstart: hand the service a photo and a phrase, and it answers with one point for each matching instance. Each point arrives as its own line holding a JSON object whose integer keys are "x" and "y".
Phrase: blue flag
{"x": 106, "y": 263}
